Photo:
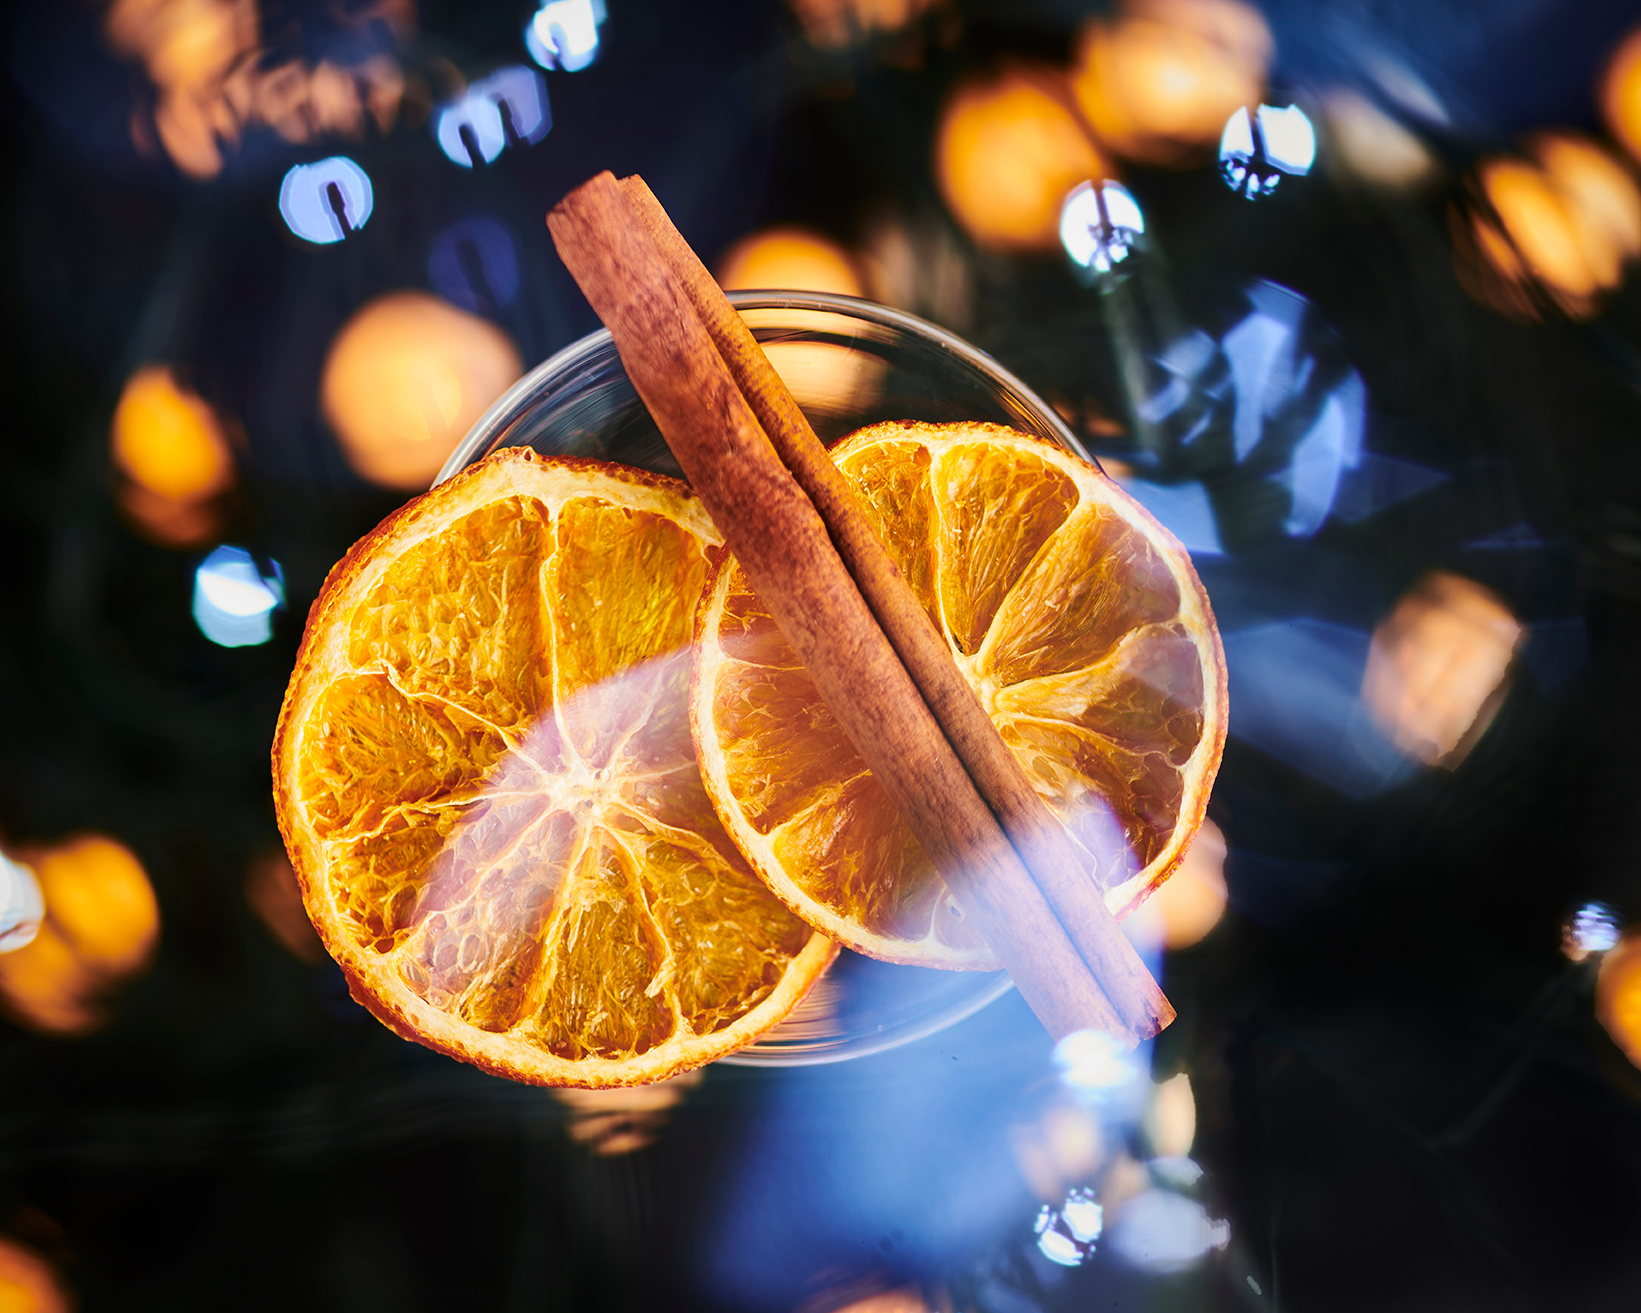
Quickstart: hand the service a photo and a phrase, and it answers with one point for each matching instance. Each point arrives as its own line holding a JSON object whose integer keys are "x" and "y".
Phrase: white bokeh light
{"x": 1290, "y": 140}
{"x": 564, "y": 34}
{"x": 21, "y": 906}
{"x": 234, "y": 601}
{"x": 1098, "y": 225}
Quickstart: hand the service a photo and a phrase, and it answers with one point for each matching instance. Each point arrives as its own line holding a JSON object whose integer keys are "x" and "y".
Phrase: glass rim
{"x": 491, "y": 423}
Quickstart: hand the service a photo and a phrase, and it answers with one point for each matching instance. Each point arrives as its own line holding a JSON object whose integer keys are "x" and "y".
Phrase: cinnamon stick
{"x": 1059, "y": 868}
{"x": 782, "y": 544}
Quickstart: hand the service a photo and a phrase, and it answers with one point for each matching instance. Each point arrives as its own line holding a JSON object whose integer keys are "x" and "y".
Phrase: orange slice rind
{"x": 484, "y": 778}
{"x": 1074, "y": 615}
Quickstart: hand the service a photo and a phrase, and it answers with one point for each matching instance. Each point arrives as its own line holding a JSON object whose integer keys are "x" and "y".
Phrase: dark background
{"x": 1404, "y": 1100}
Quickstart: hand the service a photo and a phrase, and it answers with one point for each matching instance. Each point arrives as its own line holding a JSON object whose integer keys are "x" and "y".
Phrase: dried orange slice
{"x": 484, "y": 776}
{"x": 1077, "y": 619}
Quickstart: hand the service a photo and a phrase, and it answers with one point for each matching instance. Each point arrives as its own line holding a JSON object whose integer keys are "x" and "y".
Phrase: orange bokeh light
{"x": 1569, "y": 218}
{"x": 202, "y": 57}
{"x": 1437, "y": 666}
{"x": 1620, "y": 94}
{"x": 1159, "y": 84}
{"x": 100, "y": 927}
{"x": 1007, "y": 152}
{"x": 406, "y": 378}
{"x": 791, "y": 258}
{"x": 28, "y": 1284}
{"x": 1618, "y": 996}
{"x": 167, "y": 440}
{"x": 1192, "y": 900}
{"x": 170, "y": 447}
{"x": 1541, "y": 226}
{"x": 1602, "y": 197}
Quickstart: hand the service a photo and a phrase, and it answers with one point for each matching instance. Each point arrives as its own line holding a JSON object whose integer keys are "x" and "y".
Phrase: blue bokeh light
{"x": 563, "y": 34}
{"x": 474, "y": 264}
{"x": 234, "y": 601}
{"x": 510, "y": 105}
{"x": 311, "y": 196}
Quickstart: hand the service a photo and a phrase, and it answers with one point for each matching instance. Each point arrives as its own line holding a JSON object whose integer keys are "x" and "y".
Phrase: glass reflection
{"x": 1083, "y": 1216}
{"x": 234, "y": 599}
{"x": 326, "y": 201}
{"x": 1270, "y": 415}
{"x": 1092, "y": 1062}
{"x": 1161, "y": 1231}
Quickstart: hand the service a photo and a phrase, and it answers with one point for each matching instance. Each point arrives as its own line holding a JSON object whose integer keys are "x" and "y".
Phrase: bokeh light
{"x": 1620, "y": 94}
{"x": 234, "y": 599}
{"x": 327, "y": 200}
{"x": 469, "y": 131}
{"x": 1618, "y": 996}
{"x": 1590, "y": 930}
{"x": 1007, "y": 151}
{"x": 1158, "y": 84}
{"x": 474, "y": 265}
{"x": 101, "y": 923}
{"x": 1161, "y": 1231}
{"x": 1541, "y": 226}
{"x": 1099, "y": 225}
{"x": 1059, "y": 1149}
{"x": 793, "y": 259}
{"x": 167, "y": 439}
{"x": 1091, "y": 1062}
{"x": 22, "y": 907}
{"x": 838, "y": 24}
{"x": 564, "y": 34}
{"x": 214, "y": 82}
{"x": 1437, "y": 665}
{"x": 1371, "y": 146}
{"x": 823, "y": 376}
{"x": 1171, "y": 1117}
{"x": 406, "y": 378}
{"x": 1565, "y": 218}
{"x": 28, "y": 1283}
{"x": 1602, "y": 198}
{"x": 617, "y": 1121}
{"x": 1256, "y": 149}
{"x": 508, "y": 106}
{"x": 1191, "y": 902}
{"x": 1067, "y": 1235}
{"x": 171, "y": 451}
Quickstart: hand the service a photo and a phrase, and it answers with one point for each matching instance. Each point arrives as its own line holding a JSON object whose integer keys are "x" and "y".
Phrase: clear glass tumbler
{"x": 849, "y": 363}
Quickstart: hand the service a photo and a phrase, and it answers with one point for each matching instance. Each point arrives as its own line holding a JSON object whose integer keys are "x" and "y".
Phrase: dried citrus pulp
{"x": 484, "y": 777}
{"x": 1077, "y": 619}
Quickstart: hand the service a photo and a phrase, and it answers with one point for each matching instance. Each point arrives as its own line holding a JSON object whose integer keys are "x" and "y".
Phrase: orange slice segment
{"x": 1078, "y": 621}
{"x": 484, "y": 775}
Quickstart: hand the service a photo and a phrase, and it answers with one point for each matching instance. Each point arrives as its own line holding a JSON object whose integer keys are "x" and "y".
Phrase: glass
{"x": 849, "y": 363}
